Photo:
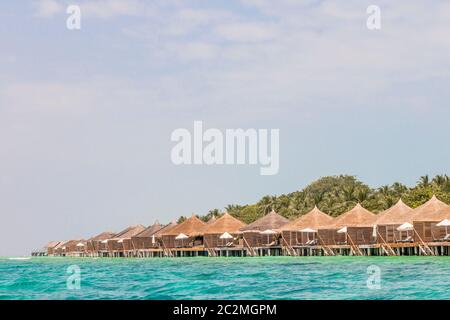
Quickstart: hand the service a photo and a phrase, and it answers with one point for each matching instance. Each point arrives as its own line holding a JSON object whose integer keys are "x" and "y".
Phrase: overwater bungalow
{"x": 60, "y": 249}
{"x": 120, "y": 245}
{"x": 76, "y": 248}
{"x": 263, "y": 232}
{"x": 438, "y": 224}
{"x": 353, "y": 228}
{"x": 394, "y": 224}
{"x": 97, "y": 245}
{"x": 158, "y": 238}
{"x": 303, "y": 230}
{"x": 222, "y": 232}
{"x": 72, "y": 248}
{"x": 165, "y": 228}
{"x": 146, "y": 239}
{"x": 189, "y": 233}
{"x": 426, "y": 219}
{"x": 50, "y": 247}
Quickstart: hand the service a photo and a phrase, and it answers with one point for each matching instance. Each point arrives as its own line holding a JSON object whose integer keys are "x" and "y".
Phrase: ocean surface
{"x": 226, "y": 278}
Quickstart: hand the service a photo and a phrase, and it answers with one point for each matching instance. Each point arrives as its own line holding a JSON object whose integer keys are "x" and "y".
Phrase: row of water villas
{"x": 400, "y": 230}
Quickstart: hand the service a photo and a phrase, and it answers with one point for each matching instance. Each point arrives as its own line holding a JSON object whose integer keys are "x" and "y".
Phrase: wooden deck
{"x": 378, "y": 249}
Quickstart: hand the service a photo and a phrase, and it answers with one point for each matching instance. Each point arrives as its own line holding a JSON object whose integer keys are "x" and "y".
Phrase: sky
{"x": 86, "y": 115}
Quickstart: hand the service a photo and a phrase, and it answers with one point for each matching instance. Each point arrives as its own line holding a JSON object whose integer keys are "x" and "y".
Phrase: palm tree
{"x": 267, "y": 203}
{"x": 384, "y": 190}
{"x": 349, "y": 193}
{"x": 211, "y": 213}
{"x": 362, "y": 195}
{"x": 330, "y": 201}
{"x": 440, "y": 180}
{"x": 298, "y": 201}
{"x": 389, "y": 202}
{"x": 318, "y": 197}
{"x": 424, "y": 181}
{"x": 214, "y": 212}
{"x": 399, "y": 188}
{"x": 231, "y": 207}
{"x": 446, "y": 187}
{"x": 181, "y": 219}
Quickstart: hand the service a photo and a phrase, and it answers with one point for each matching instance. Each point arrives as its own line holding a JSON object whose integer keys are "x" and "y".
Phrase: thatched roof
{"x": 397, "y": 214}
{"x": 61, "y": 244}
{"x": 103, "y": 236}
{"x": 52, "y": 244}
{"x": 429, "y": 210}
{"x": 225, "y": 223}
{"x": 212, "y": 220}
{"x": 150, "y": 231}
{"x": 314, "y": 219}
{"x": 190, "y": 227}
{"x": 129, "y": 232}
{"x": 356, "y": 217}
{"x": 271, "y": 221}
{"x": 166, "y": 228}
{"x": 438, "y": 216}
{"x": 74, "y": 242}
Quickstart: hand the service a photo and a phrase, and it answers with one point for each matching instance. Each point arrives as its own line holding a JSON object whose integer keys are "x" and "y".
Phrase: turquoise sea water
{"x": 227, "y": 278}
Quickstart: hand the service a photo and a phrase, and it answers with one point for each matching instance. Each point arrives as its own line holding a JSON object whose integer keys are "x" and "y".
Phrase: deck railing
{"x": 252, "y": 251}
{"x": 386, "y": 247}
{"x": 354, "y": 247}
{"x": 326, "y": 249}
{"x": 290, "y": 249}
{"x": 423, "y": 246}
{"x": 167, "y": 252}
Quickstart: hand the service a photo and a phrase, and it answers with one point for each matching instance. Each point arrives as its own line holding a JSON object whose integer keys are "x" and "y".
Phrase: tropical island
{"x": 338, "y": 194}
{"x": 335, "y": 215}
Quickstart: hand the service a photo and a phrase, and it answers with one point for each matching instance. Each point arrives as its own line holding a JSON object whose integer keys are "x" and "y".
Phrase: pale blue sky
{"x": 86, "y": 116}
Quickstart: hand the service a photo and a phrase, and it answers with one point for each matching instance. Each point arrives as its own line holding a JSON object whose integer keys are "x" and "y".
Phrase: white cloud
{"x": 197, "y": 51}
{"x": 106, "y": 9}
{"x": 47, "y": 8}
{"x": 81, "y": 97}
{"x": 246, "y": 32}
{"x": 287, "y": 54}
{"x": 187, "y": 21}
{"x": 46, "y": 97}
{"x": 103, "y": 9}
{"x": 97, "y": 94}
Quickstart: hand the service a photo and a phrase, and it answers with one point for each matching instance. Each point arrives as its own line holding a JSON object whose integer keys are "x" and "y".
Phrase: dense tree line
{"x": 337, "y": 194}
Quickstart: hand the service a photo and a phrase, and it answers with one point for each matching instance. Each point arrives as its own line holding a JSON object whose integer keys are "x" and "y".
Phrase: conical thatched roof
{"x": 439, "y": 215}
{"x": 357, "y": 217}
{"x": 150, "y": 231}
{"x": 83, "y": 242}
{"x": 397, "y": 214}
{"x": 271, "y": 221}
{"x": 225, "y": 223}
{"x": 52, "y": 244}
{"x": 129, "y": 232}
{"x": 166, "y": 228}
{"x": 429, "y": 209}
{"x": 74, "y": 242}
{"x": 212, "y": 220}
{"x": 314, "y": 219}
{"x": 190, "y": 227}
{"x": 61, "y": 244}
{"x": 103, "y": 236}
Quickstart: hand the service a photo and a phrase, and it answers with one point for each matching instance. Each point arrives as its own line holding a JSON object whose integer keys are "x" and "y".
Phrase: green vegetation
{"x": 337, "y": 194}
